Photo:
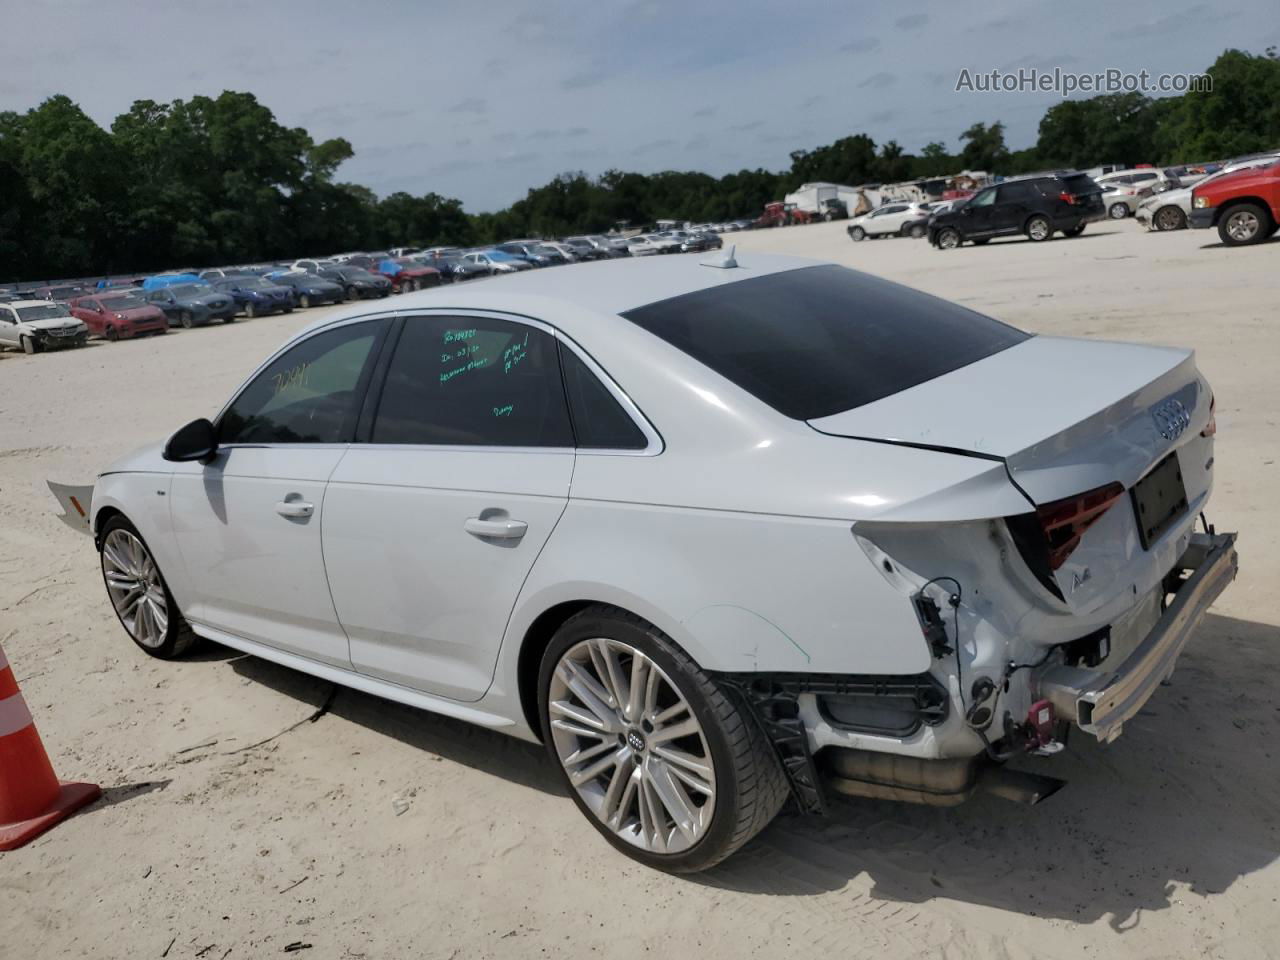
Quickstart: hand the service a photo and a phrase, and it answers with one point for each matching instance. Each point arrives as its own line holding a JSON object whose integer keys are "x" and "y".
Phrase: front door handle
{"x": 295, "y": 509}
{"x": 495, "y": 529}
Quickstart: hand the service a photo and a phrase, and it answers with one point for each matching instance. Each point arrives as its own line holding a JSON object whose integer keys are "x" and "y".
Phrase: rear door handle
{"x": 495, "y": 529}
{"x": 295, "y": 509}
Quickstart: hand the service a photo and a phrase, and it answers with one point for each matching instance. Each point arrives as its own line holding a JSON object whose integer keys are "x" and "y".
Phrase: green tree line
{"x": 219, "y": 180}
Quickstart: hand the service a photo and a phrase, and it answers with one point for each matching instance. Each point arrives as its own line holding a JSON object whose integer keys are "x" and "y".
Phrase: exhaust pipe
{"x": 1020, "y": 787}
{"x": 935, "y": 783}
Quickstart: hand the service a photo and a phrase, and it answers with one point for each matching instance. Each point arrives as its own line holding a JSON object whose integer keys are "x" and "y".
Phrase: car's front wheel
{"x": 138, "y": 593}
{"x": 1118, "y": 211}
{"x": 186, "y": 319}
{"x": 29, "y": 346}
{"x": 1169, "y": 218}
{"x": 948, "y": 238}
{"x": 1244, "y": 223}
{"x": 305, "y": 302}
{"x": 656, "y": 756}
{"x": 857, "y": 234}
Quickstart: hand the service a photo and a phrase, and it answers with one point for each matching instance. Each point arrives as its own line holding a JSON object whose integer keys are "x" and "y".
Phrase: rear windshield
{"x": 1080, "y": 184}
{"x": 820, "y": 340}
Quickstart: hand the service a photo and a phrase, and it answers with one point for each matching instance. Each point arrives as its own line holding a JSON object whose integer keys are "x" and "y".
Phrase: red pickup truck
{"x": 1244, "y": 206}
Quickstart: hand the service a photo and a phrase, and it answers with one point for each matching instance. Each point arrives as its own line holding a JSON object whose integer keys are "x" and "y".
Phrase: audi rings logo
{"x": 1171, "y": 418}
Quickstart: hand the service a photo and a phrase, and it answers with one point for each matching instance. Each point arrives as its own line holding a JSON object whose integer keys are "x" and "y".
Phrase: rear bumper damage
{"x": 1100, "y": 701}
{"x": 885, "y": 715}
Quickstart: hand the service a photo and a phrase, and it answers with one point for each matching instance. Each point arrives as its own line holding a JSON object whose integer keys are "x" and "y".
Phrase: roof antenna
{"x": 725, "y": 261}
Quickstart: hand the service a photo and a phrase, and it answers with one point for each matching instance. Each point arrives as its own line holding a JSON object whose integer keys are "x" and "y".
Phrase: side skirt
{"x": 357, "y": 681}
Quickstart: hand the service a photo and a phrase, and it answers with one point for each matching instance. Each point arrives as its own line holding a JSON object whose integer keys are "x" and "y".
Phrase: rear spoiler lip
{"x": 915, "y": 445}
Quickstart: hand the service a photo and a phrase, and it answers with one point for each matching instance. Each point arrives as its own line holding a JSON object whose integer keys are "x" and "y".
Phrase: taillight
{"x": 1067, "y": 198}
{"x": 1065, "y": 521}
{"x": 1211, "y": 427}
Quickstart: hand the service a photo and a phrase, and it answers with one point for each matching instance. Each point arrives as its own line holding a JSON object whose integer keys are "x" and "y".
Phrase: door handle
{"x": 295, "y": 509}
{"x": 495, "y": 529}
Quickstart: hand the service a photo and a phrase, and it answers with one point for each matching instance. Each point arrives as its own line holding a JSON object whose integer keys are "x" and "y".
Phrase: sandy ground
{"x": 233, "y": 827}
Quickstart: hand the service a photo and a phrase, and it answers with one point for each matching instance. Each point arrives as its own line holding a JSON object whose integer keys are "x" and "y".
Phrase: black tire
{"x": 305, "y": 302}
{"x": 250, "y": 311}
{"x": 186, "y": 319}
{"x": 857, "y": 234}
{"x": 29, "y": 346}
{"x": 750, "y": 786}
{"x": 229, "y": 318}
{"x": 1039, "y": 228}
{"x": 949, "y": 238}
{"x": 1242, "y": 224}
{"x": 1074, "y": 231}
{"x": 917, "y": 232}
{"x": 179, "y": 638}
{"x": 289, "y": 308}
{"x": 1118, "y": 211}
{"x": 112, "y": 333}
{"x": 1169, "y": 218}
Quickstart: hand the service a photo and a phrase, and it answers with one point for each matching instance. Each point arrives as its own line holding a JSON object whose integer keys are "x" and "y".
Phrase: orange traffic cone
{"x": 31, "y": 798}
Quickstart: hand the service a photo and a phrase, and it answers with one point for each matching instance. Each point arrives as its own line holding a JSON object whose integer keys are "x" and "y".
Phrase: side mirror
{"x": 196, "y": 441}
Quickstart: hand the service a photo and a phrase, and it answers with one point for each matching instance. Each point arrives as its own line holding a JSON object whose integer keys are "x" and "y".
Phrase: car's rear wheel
{"x": 1170, "y": 218}
{"x": 661, "y": 762}
{"x": 917, "y": 231}
{"x": 1243, "y": 224}
{"x": 1118, "y": 211}
{"x": 948, "y": 238}
{"x": 141, "y": 598}
{"x": 29, "y": 346}
{"x": 186, "y": 319}
{"x": 1039, "y": 228}
{"x": 1074, "y": 231}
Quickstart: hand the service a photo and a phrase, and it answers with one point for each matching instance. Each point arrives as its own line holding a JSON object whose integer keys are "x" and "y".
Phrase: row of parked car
{"x": 1241, "y": 198}
{"x": 68, "y": 314}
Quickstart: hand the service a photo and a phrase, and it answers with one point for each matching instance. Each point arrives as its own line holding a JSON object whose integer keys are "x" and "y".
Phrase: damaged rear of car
{"x": 1054, "y": 582}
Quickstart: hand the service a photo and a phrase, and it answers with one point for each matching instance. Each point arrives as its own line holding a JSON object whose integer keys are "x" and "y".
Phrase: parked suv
{"x": 1036, "y": 207}
{"x": 1244, "y": 206}
{"x": 35, "y": 325}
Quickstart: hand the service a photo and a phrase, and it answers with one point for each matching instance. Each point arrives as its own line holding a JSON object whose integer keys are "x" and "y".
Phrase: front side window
{"x": 984, "y": 199}
{"x": 473, "y": 381}
{"x": 309, "y": 394}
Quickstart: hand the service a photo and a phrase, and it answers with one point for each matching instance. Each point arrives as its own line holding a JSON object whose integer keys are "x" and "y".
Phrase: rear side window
{"x": 1017, "y": 193}
{"x": 599, "y": 422}
{"x": 820, "y": 340}
{"x": 473, "y": 381}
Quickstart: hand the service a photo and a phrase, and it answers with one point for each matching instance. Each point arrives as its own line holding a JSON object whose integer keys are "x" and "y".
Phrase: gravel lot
{"x": 233, "y": 827}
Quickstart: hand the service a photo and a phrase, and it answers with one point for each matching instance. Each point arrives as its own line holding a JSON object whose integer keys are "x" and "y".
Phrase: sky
{"x": 482, "y": 101}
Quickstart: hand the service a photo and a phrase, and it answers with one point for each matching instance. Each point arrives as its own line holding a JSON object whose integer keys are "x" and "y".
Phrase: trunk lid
{"x": 1066, "y": 416}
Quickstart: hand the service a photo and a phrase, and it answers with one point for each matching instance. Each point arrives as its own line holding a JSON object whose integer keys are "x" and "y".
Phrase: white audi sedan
{"x": 722, "y": 535}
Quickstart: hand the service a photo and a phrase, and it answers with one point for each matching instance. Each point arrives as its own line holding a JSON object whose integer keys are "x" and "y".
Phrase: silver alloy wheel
{"x": 1168, "y": 218}
{"x": 1039, "y": 229}
{"x": 948, "y": 240}
{"x": 133, "y": 583}
{"x": 1118, "y": 211}
{"x": 1243, "y": 225}
{"x": 631, "y": 746}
